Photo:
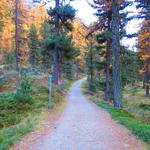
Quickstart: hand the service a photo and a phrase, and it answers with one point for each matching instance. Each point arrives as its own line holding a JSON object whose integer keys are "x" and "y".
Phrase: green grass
{"x": 18, "y": 118}
{"x": 134, "y": 91}
{"x": 11, "y": 134}
{"x": 2, "y": 81}
{"x": 135, "y": 101}
{"x": 139, "y": 128}
{"x": 12, "y": 111}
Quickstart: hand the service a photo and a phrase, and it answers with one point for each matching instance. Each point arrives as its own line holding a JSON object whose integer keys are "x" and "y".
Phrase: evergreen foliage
{"x": 68, "y": 70}
{"x": 46, "y": 51}
{"x": 65, "y": 14}
{"x": 23, "y": 94}
{"x": 9, "y": 58}
{"x": 61, "y": 40}
{"x": 34, "y": 46}
{"x": 130, "y": 66}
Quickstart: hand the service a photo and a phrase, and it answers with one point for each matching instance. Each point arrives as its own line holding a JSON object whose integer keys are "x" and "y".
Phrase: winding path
{"x": 85, "y": 126}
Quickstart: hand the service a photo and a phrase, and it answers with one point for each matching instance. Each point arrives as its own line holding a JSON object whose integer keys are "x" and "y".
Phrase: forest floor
{"x": 82, "y": 126}
{"x": 136, "y": 102}
{"x": 18, "y": 118}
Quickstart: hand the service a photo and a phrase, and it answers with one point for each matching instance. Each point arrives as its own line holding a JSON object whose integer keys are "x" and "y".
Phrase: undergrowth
{"x": 20, "y": 108}
{"x": 11, "y": 134}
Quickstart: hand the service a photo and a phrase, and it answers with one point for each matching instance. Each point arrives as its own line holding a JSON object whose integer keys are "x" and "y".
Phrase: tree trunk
{"x": 107, "y": 91}
{"x": 99, "y": 61}
{"x": 91, "y": 87}
{"x": 16, "y": 34}
{"x": 77, "y": 70}
{"x": 143, "y": 82}
{"x": 147, "y": 74}
{"x": 91, "y": 64}
{"x": 147, "y": 78}
{"x": 147, "y": 90}
{"x": 56, "y": 53}
{"x": 116, "y": 49}
{"x": 108, "y": 48}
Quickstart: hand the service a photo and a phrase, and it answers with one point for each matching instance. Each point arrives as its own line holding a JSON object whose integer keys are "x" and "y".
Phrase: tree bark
{"x": 147, "y": 78}
{"x": 77, "y": 70}
{"x": 108, "y": 48}
{"x": 147, "y": 75}
{"x": 143, "y": 82}
{"x": 116, "y": 48}
{"x": 99, "y": 61}
{"x": 16, "y": 34}
{"x": 107, "y": 91}
{"x": 91, "y": 64}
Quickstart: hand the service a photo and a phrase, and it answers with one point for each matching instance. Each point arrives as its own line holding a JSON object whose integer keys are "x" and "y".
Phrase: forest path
{"x": 84, "y": 126}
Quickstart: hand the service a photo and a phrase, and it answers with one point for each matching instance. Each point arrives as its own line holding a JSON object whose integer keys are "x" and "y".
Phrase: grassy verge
{"x": 141, "y": 129}
{"x": 18, "y": 118}
{"x": 137, "y": 103}
{"x": 11, "y": 134}
{"x": 138, "y": 127}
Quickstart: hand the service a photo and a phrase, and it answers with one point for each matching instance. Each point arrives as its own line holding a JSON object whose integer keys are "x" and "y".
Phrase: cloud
{"x": 84, "y": 11}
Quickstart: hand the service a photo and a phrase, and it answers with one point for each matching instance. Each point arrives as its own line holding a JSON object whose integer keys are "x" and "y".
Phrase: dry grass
{"x": 137, "y": 103}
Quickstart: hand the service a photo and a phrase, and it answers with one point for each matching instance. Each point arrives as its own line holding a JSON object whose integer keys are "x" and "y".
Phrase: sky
{"x": 86, "y": 13}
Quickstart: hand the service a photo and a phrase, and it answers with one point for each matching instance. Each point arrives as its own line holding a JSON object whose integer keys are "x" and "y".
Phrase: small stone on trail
{"x": 126, "y": 145}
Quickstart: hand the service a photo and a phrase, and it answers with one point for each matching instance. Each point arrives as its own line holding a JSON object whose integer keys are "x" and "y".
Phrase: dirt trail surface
{"x": 84, "y": 126}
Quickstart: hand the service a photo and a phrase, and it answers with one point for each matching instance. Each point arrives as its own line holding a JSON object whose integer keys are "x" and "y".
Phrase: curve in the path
{"x": 85, "y": 126}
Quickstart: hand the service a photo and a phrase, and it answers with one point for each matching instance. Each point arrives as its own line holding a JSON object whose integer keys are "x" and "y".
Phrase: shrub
{"x": 144, "y": 106}
{"x": 24, "y": 91}
{"x": 91, "y": 86}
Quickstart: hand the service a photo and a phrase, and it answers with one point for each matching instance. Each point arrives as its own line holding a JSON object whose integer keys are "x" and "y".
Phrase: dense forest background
{"x": 38, "y": 41}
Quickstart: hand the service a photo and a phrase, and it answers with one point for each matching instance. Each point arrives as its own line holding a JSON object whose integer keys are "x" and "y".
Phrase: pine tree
{"x": 17, "y": 34}
{"x": 116, "y": 51}
{"x": 20, "y": 34}
{"x": 104, "y": 13}
{"x": 130, "y": 66}
{"x": 78, "y": 35}
{"x": 68, "y": 69}
{"x": 144, "y": 51}
{"x": 56, "y": 53}
{"x": 34, "y": 53}
{"x": 91, "y": 61}
{"x": 46, "y": 48}
{"x": 145, "y": 8}
{"x": 61, "y": 17}
{"x": 144, "y": 41}
{"x": 90, "y": 67}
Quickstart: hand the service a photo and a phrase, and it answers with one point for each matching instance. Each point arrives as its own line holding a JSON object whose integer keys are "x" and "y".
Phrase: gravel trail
{"x": 85, "y": 126}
